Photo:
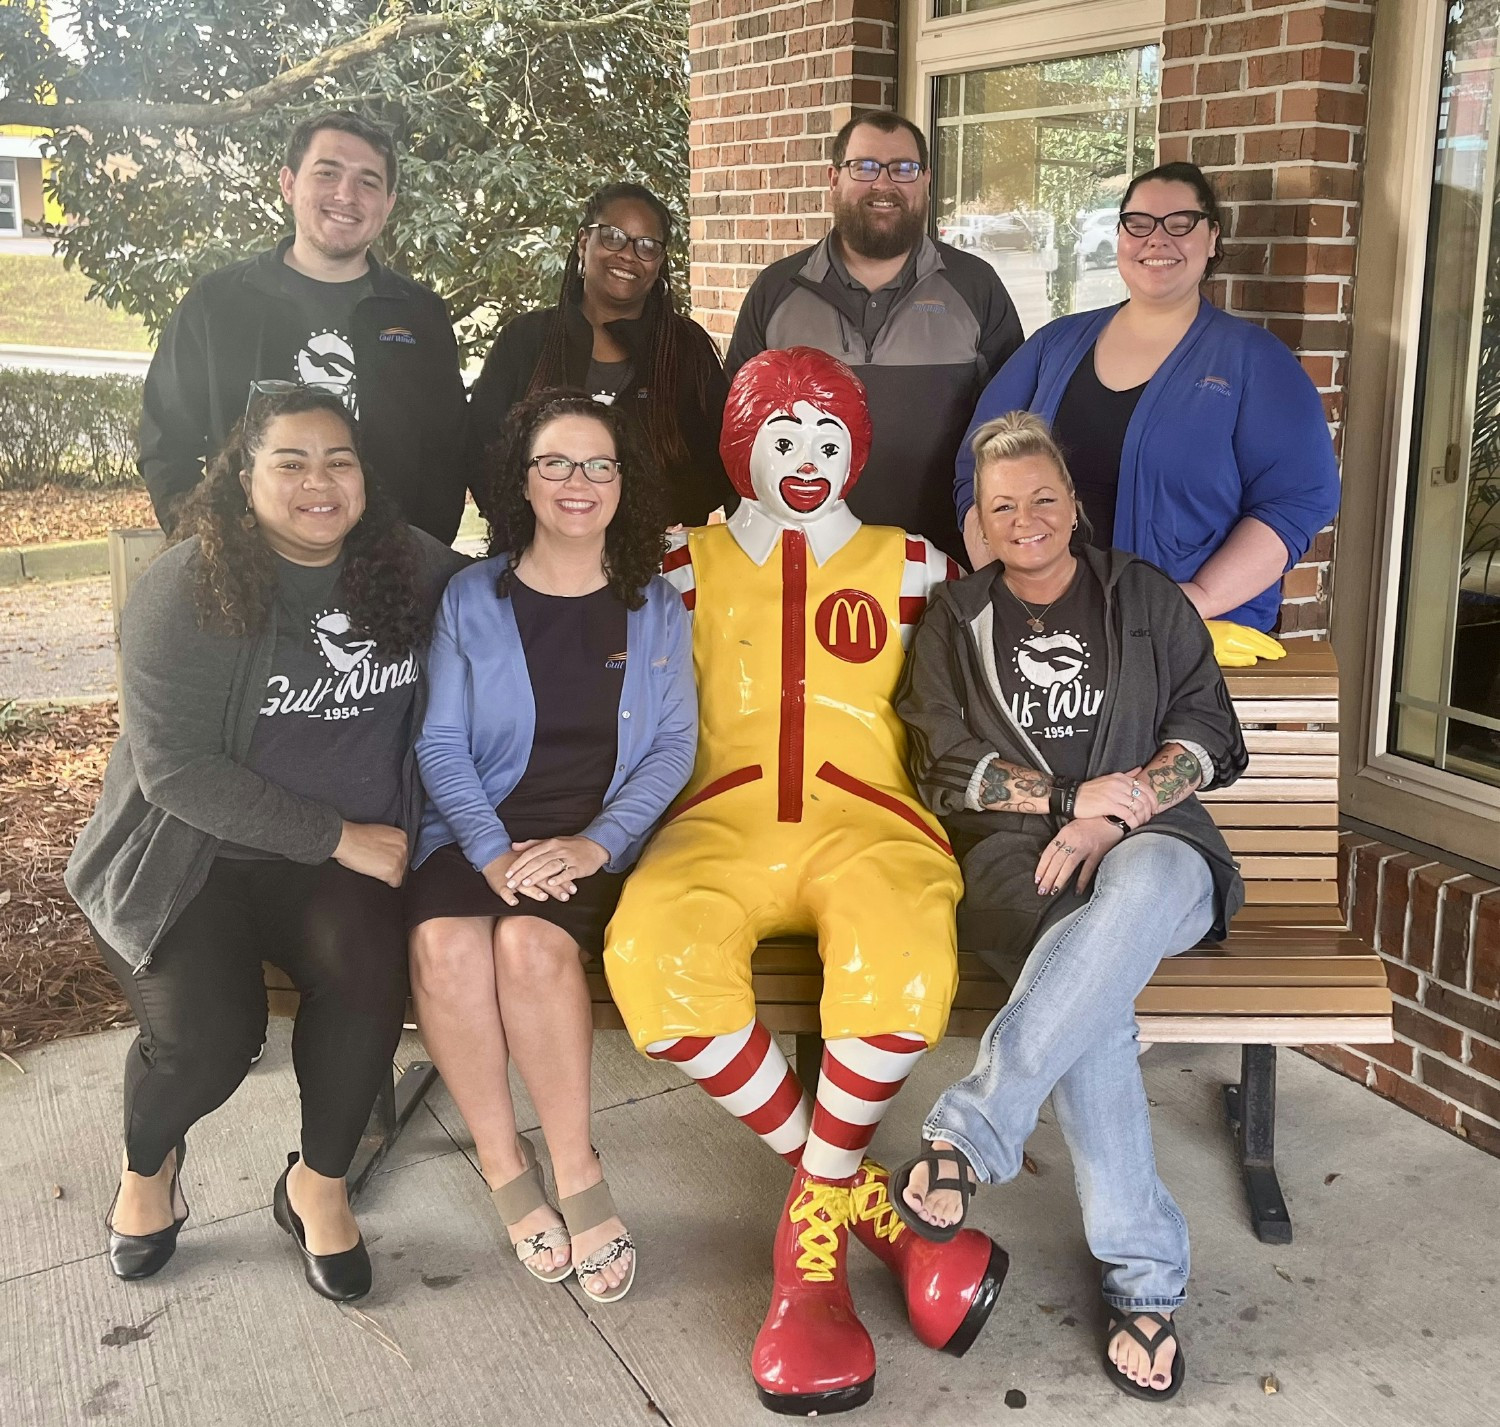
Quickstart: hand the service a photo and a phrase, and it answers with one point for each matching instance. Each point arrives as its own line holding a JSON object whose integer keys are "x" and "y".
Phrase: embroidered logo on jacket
{"x": 1218, "y": 385}
{"x": 615, "y": 661}
{"x": 398, "y": 334}
{"x": 930, "y": 305}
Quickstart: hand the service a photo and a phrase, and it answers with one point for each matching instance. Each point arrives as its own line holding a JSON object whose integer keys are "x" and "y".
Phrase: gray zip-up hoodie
{"x": 1162, "y": 685}
{"x": 176, "y": 786}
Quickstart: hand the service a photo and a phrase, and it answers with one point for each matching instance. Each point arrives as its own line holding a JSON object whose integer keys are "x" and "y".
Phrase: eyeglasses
{"x": 553, "y": 466}
{"x": 868, "y": 170}
{"x": 1179, "y": 224}
{"x": 273, "y": 387}
{"x": 648, "y": 250}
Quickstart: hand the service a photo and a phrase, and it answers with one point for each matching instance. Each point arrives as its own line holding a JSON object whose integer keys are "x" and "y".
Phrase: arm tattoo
{"x": 1005, "y": 788}
{"x": 1175, "y": 778}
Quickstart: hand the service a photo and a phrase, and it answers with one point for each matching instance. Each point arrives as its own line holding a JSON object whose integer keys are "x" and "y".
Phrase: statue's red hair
{"x": 776, "y": 381}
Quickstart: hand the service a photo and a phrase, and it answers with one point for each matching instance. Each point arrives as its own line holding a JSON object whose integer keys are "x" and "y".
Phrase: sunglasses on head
{"x": 275, "y": 387}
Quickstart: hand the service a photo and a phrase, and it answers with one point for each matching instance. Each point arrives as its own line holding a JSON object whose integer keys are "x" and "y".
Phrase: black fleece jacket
{"x": 238, "y": 325}
{"x": 694, "y": 487}
{"x": 1162, "y": 684}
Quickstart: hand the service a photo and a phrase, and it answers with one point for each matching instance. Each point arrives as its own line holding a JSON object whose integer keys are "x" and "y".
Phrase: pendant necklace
{"x": 1034, "y": 620}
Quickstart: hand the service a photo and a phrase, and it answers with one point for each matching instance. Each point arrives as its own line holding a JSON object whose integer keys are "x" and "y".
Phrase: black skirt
{"x": 445, "y": 885}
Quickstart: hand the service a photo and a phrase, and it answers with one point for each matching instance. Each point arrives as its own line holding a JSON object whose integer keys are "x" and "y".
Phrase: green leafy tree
{"x": 168, "y": 119}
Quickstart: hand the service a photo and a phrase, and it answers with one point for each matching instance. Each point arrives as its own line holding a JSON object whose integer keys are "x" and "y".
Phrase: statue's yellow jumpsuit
{"x": 800, "y": 817}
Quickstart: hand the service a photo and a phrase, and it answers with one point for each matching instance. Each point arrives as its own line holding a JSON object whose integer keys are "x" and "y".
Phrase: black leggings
{"x": 201, "y": 1003}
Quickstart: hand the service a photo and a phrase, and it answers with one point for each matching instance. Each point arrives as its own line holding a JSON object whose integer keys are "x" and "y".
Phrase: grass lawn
{"x": 42, "y": 305}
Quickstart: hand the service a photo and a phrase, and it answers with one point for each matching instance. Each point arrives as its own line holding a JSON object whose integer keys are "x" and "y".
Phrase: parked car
{"x": 1097, "y": 238}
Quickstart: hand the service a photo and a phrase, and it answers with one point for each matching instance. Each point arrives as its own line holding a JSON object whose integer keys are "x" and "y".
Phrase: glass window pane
{"x": 1031, "y": 161}
{"x": 1446, "y": 694}
{"x": 968, "y": 7}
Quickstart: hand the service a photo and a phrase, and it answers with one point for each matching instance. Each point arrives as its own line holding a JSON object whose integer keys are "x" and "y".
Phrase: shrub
{"x": 71, "y": 430}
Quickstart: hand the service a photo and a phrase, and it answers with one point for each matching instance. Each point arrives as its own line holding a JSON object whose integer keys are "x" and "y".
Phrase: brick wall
{"x": 1268, "y": 97}
{"x": 771, "y": 84}
{"x": 1438, "y": 930}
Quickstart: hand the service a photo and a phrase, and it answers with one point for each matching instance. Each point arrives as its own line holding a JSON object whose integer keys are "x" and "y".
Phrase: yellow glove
{"x": 1237, "y": 646}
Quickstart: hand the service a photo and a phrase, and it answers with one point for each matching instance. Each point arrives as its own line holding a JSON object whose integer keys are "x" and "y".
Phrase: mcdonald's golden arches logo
{"x": 851, "y": 626}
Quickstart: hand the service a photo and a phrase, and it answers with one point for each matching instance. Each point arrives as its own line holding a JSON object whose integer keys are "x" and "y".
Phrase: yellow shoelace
{"x": 870, "y": 1201}
{"x": 824, "y": 1208}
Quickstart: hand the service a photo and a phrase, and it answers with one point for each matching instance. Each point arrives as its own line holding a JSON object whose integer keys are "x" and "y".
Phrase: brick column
{"x": 1269, "y": 99}
{"x": 771, "y": 84}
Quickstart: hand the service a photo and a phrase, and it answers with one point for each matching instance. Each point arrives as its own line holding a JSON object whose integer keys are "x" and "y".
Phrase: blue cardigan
{"x": 1229, "y": 426}
{"x": 481, "y": 719}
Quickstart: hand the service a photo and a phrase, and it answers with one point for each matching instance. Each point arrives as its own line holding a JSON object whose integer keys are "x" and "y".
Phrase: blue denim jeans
{"x": 1069, "y": 1030}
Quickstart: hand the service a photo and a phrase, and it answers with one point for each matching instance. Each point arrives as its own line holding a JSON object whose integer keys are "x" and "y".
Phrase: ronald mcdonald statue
{"x": 800, "y": 819}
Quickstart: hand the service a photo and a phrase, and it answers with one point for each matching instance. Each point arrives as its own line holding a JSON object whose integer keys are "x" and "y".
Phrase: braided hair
{"x": 666, "y": 351}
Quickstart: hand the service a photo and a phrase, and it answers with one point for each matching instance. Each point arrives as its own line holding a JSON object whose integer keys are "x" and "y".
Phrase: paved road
{"x": 76, "y": 363}
{"x": 56, "y": 640}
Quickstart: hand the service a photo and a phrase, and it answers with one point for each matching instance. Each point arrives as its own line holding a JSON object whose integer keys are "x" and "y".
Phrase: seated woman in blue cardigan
{"x": 1195, "y": 438}
{"x": 562, "y": 721}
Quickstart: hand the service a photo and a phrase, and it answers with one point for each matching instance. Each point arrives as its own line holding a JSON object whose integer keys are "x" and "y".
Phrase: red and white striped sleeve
{"x": 926, "y": 566}
{"x": 677, "y": 568}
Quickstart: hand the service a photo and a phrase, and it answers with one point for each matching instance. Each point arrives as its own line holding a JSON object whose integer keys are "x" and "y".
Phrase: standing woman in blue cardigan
{"x": 563, "y": 720}
{"x": 1195, "y": 438}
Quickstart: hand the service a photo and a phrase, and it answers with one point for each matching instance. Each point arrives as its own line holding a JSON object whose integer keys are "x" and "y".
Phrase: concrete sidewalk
{"x": 1382, "y": 1313}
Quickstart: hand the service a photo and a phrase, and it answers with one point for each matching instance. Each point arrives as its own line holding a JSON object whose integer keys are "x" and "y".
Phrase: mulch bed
{"x": 52, "y": 983}
{"x": 52, "y": 513}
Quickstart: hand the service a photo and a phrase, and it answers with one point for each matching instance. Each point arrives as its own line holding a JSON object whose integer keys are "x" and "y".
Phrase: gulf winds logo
{"x": 326, "y": 360}
{"x": 357, "y": 675}
{"x": 1056, "y": 667}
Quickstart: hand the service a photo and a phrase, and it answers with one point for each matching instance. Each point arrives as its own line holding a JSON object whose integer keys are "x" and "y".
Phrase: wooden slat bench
{"x": 1289, "y": 973}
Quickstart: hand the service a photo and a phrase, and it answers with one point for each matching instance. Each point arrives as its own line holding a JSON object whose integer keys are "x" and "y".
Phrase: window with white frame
{"x": 1445, "y": 686}
{"x": 10, "y": 198}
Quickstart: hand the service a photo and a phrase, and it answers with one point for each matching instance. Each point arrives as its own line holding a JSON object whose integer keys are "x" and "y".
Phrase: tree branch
{"x": 138, "y": 114}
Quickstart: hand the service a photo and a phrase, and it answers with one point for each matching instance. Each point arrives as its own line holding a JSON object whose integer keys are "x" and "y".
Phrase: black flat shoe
{"x": 342, "y": 1277}
{"x": 140, "y": 1255}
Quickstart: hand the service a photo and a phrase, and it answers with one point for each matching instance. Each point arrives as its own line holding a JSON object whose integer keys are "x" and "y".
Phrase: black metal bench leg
{"x": 809, "y": 1052}
{"x": 1251, "y": 1107}
{"x": 398, "y": 1099}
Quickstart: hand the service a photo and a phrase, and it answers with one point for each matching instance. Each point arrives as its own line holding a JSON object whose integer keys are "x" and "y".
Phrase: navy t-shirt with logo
{"x": 335, "y": 718}
{"x": 575, "y": 647}
{"x": 326, "y": 356}
{"x": 1053, "y": 681}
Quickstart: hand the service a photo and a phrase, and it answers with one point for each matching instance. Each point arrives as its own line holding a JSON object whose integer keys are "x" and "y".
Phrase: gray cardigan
{"x": 176, "y": 786}
{"x": 1161, "y": 684}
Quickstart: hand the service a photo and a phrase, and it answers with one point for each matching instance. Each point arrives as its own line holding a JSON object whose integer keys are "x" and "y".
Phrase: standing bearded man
{"x": 923, "y": 325}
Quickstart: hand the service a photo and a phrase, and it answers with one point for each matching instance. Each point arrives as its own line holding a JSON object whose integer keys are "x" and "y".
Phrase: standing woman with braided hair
{"x": 614, "y": 332}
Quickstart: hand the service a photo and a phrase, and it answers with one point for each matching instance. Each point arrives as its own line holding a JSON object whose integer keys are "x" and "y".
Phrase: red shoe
{"x": 812, "y": 1354}
{"x": 950, "y": 1288}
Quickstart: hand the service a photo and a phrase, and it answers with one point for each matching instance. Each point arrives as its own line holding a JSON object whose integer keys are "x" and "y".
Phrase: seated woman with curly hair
{"x": 256, "y": 808}
{"x": 563, "y": 722}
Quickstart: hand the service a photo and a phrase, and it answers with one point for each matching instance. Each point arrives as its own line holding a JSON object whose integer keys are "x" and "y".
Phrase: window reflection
{"x": 1446, "y": 698}
{"x": 1031, "y": 162}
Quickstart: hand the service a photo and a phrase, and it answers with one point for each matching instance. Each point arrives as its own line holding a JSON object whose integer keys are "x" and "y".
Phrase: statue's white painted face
{"x": 799, "y": 464}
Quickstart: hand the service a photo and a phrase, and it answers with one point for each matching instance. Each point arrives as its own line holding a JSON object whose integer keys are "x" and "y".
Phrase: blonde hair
{"x": 1013, "y": 437}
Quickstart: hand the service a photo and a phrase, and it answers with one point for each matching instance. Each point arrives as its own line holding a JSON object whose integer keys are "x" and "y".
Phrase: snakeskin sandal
{"x": 521, "y": 1196}
{"x": 587, "y": 1210}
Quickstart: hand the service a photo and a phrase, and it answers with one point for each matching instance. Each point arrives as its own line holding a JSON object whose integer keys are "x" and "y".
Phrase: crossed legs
{"x": 1069, "y": 1031}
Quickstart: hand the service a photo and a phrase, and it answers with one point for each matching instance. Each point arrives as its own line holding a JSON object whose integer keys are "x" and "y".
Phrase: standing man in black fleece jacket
{"x": 317, "y": 309}
{"x": 924, "y": 325}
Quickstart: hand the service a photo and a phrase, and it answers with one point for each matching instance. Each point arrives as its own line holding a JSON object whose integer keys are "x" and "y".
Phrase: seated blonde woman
{"x": 1064, "y": 707}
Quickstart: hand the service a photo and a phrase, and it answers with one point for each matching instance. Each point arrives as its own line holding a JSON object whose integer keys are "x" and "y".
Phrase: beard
{"x": 888, "y": 234}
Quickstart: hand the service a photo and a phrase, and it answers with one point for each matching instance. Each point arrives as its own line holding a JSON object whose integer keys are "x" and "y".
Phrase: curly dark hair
{"x": 236, "y": 575}
{"x": 635, "y": 541}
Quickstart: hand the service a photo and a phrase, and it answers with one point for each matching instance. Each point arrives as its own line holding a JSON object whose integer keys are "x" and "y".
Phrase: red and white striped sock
{"x": 748, "y": 1075}
{"x": 860, "y": 1078}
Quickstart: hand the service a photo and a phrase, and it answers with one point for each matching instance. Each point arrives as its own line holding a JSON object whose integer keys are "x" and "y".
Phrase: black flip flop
{"x": 965, "y": 1186}
{"x": 1125, "y": 1323}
